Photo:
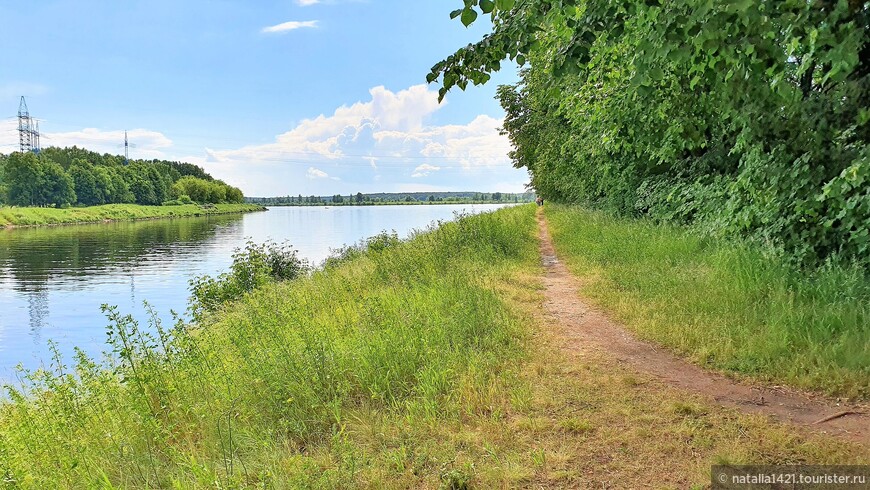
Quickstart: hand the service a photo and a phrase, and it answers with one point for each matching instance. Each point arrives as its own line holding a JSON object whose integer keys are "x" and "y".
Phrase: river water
{"x": 53, "y": 280}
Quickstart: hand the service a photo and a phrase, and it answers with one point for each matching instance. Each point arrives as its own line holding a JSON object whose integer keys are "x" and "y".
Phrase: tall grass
{"x": 27, "y": 216}
{"x": 260, "y": 391}
{"x": 726, "y": 305}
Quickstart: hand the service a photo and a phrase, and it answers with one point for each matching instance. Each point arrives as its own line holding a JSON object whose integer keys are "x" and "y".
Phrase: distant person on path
{"x": 539, "y": 201}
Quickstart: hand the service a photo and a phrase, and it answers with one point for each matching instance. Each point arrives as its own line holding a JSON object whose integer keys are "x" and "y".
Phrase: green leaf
{"x": 469, "y": 15}
{"x": 487, "y": 6}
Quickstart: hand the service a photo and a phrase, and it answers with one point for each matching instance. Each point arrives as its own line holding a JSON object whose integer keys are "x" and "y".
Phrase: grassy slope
{"x": 725, "y": 306}
{"x": 16, "y": 216}
{"x": 420, "y": 366}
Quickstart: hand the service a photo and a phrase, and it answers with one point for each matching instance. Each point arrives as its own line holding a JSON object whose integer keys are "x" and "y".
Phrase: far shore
{"x": 28, "y": 217}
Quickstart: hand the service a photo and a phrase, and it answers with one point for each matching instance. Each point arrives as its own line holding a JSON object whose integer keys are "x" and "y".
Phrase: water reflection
{"x": 34, "y": 257}
{"x": 37, "y": 302}
{"x": 53, "y": 280}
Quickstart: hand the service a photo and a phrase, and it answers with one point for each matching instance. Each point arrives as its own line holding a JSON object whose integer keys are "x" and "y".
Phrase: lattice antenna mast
{"x": 25, "y": 132}
{"x": 126, "y": 149}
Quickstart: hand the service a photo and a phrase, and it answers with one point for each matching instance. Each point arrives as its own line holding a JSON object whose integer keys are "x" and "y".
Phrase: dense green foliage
{"x": 251, "y": 395}
{"x": 726, "y": 306}
{"x": 745, "y": 117}
{"x": 202, "y": 190}
{"x": 253, "y": 267}
{"x": 72, "y": 176}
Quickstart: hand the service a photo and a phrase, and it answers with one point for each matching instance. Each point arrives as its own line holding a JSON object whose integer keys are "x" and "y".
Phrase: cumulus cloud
{"x": 306, "y": 3}
{"x": 289, "y": 26}
{"x": 315, "y": 173}
{"x": 390, "y": 128}
{"x": 424, "y": 170}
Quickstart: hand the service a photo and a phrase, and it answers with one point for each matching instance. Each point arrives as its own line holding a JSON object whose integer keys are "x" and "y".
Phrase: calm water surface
{"x": 53, "y": 280}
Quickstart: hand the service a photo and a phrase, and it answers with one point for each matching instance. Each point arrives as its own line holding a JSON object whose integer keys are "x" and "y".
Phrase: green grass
{"x": 424, "y": 364}
{"x": 18, "y": 216}
{"x": 726, "y": 306}
{"x": 413, "y": 331}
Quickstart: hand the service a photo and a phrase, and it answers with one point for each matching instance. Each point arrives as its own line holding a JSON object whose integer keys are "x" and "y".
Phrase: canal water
{"x": 53, "y": 280}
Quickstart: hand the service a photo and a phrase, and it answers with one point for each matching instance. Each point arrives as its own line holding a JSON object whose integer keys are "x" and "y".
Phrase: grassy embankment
{"x": 422, "y": 365}
{"x": 25, "y": 216}
{"x": 726, "y": 306}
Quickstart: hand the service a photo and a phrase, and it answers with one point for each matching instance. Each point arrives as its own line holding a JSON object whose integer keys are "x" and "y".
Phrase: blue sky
{"x": 278, "y": 97}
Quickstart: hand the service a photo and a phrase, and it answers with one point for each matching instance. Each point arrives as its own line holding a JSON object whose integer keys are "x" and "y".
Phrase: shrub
{"x": 253, "y": 266}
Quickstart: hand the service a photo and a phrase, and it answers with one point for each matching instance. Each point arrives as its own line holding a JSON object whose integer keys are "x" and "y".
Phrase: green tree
{"x": 745, "y": 118}
{"x": 56, "y": 187}
{"x": 234, "y": 195}
{"x": 24, "y": 174}
{"x": 4, "y": 189}
{"x": 90, "y": 187}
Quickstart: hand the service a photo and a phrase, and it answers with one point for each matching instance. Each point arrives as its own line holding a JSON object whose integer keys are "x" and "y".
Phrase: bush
{"x": 253, "y": 266}
{"x": 376, "y": 243}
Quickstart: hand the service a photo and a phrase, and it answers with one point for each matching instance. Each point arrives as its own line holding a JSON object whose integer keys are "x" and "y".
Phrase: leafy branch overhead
{"x": 749, "y": 117}
{"x": 736, "y": 38}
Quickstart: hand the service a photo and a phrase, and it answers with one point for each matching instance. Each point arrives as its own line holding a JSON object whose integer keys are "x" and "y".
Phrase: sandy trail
{"x": 582, "y": 328}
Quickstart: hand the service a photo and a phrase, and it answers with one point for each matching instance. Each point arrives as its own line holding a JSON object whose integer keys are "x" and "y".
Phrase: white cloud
{"x": 315, "y": 173}
{"x": 289, "y": 26}
{"x": 389, "y": 129}
{"x": 424, "y": 170}
{"x": 306, "y": 3}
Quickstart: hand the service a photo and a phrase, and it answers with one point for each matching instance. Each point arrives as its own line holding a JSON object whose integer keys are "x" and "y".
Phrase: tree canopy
{"x": 744, "y": 117}
{"x": 74, "y": 176}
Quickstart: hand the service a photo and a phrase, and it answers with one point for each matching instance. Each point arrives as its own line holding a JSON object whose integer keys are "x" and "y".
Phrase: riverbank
{"x": 419, "y": 364}
{"x": 14, "y": 217}
{"x": 725, "y": 306}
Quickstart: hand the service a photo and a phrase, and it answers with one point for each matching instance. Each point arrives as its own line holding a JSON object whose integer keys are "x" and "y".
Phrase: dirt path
{"x": 585, "y": 329}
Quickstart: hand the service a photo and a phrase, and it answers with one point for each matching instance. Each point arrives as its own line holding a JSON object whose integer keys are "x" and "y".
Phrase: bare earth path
{"x": 582, "y": 329}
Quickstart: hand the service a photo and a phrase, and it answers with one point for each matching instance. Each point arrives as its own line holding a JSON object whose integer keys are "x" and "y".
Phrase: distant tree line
{"x": 77, "y": 177}
{"x": 394, "y": 198}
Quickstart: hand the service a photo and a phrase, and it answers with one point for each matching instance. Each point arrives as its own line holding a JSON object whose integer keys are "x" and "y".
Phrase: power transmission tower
{"x": 127, "y": 145}
{"x": 25, "y": 135}
{"x": 37, "y": 147}
{"x": 28, "y": 129}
